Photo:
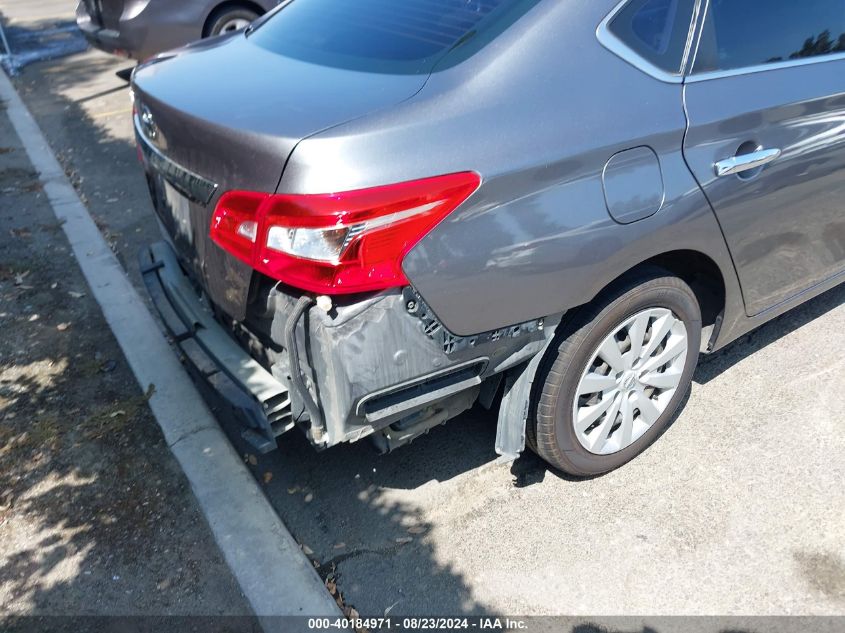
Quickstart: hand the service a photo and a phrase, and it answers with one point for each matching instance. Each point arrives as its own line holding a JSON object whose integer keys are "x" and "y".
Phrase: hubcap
{"x": 234, "y": 25}
{"x": 629, "y": 381}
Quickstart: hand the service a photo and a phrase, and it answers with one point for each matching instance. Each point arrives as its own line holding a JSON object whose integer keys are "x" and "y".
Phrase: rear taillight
{"x": 337, "y": 243}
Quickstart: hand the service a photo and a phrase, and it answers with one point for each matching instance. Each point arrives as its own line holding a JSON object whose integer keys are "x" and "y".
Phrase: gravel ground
{"x": 739, "y": 509}
{"x": 95, "y": 515}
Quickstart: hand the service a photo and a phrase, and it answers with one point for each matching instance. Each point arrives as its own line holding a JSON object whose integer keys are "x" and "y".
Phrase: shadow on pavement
{"x": 84, "y": 110}
{"x": 350, "y": 510}
{"x": 95, "y": 515}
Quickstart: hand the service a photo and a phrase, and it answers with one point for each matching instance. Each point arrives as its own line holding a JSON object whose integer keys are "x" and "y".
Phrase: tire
{"x": 227, "y": 19}
{"x": 648, "y": 301}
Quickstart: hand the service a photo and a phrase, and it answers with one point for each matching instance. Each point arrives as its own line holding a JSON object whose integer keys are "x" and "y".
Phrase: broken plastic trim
{"x": 317, "y": 426}
{"x": 212, "y": 354}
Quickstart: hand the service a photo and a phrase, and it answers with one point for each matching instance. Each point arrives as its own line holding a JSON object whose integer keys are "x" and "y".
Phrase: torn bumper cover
{"x": 382, "y": 366}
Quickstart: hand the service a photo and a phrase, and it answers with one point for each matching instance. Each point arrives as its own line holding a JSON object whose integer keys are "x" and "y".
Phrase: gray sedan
{"x": 142, "y": 28}
{"x": 395, "y": 211}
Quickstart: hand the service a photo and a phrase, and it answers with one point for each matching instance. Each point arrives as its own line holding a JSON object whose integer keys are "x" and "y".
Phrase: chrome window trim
{"x": 761, "y": 68}
{"x": 694, "y": 35}
{"x": 619, "y": 48}
{"x": 749, "y": 70}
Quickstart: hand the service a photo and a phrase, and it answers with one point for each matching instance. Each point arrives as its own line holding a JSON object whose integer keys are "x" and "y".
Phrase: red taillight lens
{"x": 341, "y": 242}
{"x": 237, "y": 208}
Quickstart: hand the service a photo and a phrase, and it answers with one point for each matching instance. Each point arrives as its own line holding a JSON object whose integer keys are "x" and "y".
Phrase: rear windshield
{"x": 391, "y": 36}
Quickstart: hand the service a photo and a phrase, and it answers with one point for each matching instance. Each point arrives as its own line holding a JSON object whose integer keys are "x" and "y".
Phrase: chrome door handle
{"x": 745, "y": 162}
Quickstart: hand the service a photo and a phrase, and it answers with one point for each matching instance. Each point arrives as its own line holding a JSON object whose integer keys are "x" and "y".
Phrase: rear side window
{"x": 391, "y": 36}
{"x": 743, "y": 33}
{"x": 656, "y": 30}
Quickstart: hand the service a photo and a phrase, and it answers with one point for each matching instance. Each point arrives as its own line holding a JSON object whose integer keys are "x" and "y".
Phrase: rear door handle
{"x": 746, "y": 162}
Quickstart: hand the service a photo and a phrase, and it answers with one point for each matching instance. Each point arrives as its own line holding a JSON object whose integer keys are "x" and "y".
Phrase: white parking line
{"x": 275, "y": 576}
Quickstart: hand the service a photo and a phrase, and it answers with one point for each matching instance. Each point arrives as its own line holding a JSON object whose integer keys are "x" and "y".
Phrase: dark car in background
{"x": 380, "y": 213}
{"x": 142, "y": 28}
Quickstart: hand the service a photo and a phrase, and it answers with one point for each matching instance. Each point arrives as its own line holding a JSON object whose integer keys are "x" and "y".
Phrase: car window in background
{"x": 743, "y": 33}
{"x": 657, "y": 30}
{"x": 392, "y": 36}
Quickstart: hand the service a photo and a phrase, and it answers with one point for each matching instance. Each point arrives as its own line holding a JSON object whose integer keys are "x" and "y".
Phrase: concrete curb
{"x": 274, "y": 575}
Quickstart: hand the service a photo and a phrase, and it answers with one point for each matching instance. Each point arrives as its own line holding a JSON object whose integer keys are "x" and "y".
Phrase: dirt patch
{"x": 825, "y": 573}
{"x": 16, "y": 179}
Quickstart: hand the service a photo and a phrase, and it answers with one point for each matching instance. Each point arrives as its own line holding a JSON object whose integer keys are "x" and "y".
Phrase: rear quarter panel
{"x": 538, "y": 113}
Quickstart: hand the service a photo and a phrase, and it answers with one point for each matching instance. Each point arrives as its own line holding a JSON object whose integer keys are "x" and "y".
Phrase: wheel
{"x": 619, "y": 373}
{"x": 229, "y": 19}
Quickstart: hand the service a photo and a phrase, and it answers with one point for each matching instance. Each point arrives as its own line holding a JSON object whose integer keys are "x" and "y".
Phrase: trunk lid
{"x": 230, "y": 113}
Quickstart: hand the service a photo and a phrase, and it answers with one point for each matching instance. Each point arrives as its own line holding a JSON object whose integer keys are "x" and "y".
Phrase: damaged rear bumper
{"x": 106, "y": 39}
{"x": 211, "y": 353}
{"x": 381, "y": 366}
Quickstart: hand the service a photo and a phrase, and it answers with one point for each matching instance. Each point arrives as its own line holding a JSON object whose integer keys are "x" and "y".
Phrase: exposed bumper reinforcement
{"x": 212, "y": 354}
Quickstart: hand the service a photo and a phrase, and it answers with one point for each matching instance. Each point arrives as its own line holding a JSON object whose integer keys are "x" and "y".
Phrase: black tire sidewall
{"x": 660, "y": 292}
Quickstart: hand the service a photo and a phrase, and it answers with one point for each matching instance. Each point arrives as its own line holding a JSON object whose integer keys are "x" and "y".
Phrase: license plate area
{"x": 174, "y": 211}
{"x": 225, "y": 279}
{"x": 183, "y": 203}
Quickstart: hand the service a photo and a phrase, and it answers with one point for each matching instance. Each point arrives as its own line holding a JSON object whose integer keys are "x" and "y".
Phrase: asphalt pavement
{"x": 739, "y": 509}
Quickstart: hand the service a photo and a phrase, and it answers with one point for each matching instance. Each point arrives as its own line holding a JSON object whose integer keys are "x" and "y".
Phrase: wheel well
{"x": 703, "y": 275}
{"x": 226, "y": 6}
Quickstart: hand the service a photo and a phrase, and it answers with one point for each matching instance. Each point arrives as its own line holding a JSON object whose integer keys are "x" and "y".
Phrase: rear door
{"x": 766, "y": 139}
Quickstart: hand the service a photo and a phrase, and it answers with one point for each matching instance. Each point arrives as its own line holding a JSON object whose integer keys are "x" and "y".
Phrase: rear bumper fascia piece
{"x": 211, "y": 353}
{"x": 107, "y": 40}
{"x": 381, "y": 366}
